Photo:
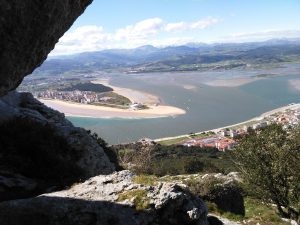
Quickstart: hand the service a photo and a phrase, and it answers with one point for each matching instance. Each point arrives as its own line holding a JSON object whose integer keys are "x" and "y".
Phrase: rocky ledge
{"x": 114, "y": 199}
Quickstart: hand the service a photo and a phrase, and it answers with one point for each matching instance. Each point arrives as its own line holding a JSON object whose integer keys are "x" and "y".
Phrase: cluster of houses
{"x": 214, "y": 141}
{"x": 85, "y": 97}
{"x": 289, "y": 118}
{"x": 224, "y": 139}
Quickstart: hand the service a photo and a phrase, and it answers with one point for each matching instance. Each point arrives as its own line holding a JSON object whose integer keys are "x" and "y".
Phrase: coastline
{"x": 92, "y": 111}
{"x": 131, "y": 94}
{"x": 155, "y": 109}
{"x": 255, "y": 119}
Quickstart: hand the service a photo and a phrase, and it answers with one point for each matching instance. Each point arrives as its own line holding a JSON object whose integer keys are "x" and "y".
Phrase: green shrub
{"x": 268, "y": 160}
{"x": 141, "y": 201}
{"x": 164, "y": 160}
{"x": 148, "y": 180}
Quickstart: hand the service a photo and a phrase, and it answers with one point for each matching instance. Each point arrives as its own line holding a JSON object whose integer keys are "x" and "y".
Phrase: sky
{"x": 110, "y": 24}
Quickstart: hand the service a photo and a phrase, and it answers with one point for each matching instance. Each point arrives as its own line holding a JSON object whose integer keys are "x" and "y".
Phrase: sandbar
{"x": 131, "y": 94}
{"x": 231, "y": 82}
{"x": 85, "y": 110}
{"x": 295, "y": 84}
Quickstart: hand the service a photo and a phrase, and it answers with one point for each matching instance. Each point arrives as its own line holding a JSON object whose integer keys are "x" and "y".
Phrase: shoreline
{"x": 92, "y": 111}
{"x": 155, "y": 109}
{"x": 255, "y": 119}
{"x": 131, "y": 94}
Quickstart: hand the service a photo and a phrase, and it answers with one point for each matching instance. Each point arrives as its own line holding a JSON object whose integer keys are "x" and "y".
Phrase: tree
{"x": 269, "y": 161}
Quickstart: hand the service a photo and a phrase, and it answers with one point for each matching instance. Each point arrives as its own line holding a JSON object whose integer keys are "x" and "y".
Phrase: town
{"x": 225, "y": 139}
{"x": 84, "y": 97}
{"x": 109, "y": 99}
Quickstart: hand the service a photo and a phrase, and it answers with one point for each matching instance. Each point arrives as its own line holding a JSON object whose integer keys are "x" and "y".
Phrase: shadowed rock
{"x": 40, "y": 149}
{"x": 29, "y": 30}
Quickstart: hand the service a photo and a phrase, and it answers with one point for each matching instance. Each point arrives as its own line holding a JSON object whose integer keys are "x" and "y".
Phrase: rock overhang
{"x": 29, "y": 30}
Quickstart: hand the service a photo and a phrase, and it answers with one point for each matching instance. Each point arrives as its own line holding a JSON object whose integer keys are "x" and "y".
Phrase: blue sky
{"x": 131, "y": 23}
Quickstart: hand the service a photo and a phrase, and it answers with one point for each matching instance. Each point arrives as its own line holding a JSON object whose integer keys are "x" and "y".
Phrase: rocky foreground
{"x": 109, "y": 199}
{"x": 100, "y": 199}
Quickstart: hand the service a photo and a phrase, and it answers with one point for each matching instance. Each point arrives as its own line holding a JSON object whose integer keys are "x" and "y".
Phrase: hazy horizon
{"x": 130, "y": 24}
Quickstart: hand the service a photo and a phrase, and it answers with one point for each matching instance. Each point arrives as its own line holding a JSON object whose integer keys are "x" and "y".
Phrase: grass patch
{"x": 258, "y": 212}
{"x": 148, "y": 180}
{"x": 140, "y": 199}
{"x": 173, "y": 141}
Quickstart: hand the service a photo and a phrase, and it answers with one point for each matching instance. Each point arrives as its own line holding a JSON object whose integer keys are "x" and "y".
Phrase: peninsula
{"x": 117, "y": 103}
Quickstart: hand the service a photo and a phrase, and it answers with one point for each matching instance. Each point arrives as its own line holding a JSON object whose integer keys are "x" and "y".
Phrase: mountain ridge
{"x": 148, "y": 58}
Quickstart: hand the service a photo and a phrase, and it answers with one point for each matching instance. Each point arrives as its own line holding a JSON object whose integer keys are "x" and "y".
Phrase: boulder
{"x": 28, "y": 127}
{"x": 108, "y": 200}
{"x": 29, "y": 30}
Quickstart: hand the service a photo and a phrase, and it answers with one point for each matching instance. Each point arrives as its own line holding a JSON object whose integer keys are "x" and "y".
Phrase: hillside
{"x": 98, "y": 88}
{"x": 191, "y": 57}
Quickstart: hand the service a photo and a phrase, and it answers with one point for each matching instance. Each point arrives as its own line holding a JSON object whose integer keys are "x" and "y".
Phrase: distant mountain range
{"x": 189, "y": 57}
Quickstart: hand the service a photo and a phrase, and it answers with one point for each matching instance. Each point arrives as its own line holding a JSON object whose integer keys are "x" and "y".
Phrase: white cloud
{"x": 141, "y": 29}
{"x": 266, "y": 34}
{"x": 173, "y": 41}
{"x": 85, "y": 38}
{"x": 176, "y": 26}
{"x": 200, "y": 24}
{"x": 149, "y": 31}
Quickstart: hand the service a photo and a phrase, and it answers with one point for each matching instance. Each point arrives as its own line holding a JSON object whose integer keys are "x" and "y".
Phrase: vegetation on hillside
{"x": 87, "y": 86}
{"x": 267, "y": 159}
{"x": 269, "y": 163}
{"x": 178, "y": 58}
{"x": 163, "y": 160}
{"x": 114, "y": 100}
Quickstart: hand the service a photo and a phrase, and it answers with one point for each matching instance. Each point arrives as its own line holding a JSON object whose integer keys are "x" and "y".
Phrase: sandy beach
{"x": 132, "y": 95}
{"x": 81, "y": 110}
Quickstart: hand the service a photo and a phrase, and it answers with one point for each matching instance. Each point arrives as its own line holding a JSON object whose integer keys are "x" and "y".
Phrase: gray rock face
{"x": 13, "y": 186}
{"x": 93, "y": 160}
{"x": 28, "y": 32}
{"x": 83, "y": 150}
{"x": 96, "y": 202}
